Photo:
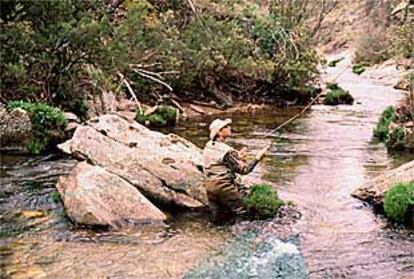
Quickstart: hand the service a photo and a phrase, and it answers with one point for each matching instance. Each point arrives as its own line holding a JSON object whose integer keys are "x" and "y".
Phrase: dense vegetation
{"x": 382, "y": 130}
{"x": 62, "y": 52}
{"x": 336, "y": 95}
{"x": 395, "y": 124}
{"x": 262, "y": 202}
{"x": 398, "y": 201}
{"x": 161, "y": 116}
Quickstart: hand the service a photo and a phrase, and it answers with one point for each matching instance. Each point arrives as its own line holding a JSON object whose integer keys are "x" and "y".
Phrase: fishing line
{"x": 290, "y": 120}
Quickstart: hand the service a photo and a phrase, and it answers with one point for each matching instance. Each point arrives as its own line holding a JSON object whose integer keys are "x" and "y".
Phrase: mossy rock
{"x": 161, "y": 117}
{"x": 48, "y": 124}
{"x": 337, "y": 96}
{"x": 398, "y": 201}
{"x": 262, "y": 202}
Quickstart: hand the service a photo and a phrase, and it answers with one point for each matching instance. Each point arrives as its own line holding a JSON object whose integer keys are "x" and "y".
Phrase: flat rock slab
{"x": 94, "y": 196}
{"x": 165, "y": 168}
{"x": 373, "y": 191}
{"x": 252, "y": 255}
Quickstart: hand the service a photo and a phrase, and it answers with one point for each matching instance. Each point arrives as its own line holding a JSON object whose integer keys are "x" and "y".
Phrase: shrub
{"x": 396, "y": 139}
{"x": 398, "y": 200}
{"x": 162, "y": 116}
{"x": 48, "y": 124}
{"x": 332, "y": 86}
{"x": 359, "y": 68}
{"x": 337, "y": 96}
{"x": 381, "y": 131}
{"x": 262, "y": 202}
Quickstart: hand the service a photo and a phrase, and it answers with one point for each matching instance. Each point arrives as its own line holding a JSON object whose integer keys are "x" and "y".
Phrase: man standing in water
{"x": 222, "y": 163}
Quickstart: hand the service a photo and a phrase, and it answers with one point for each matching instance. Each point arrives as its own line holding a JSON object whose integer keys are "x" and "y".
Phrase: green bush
{"x": 381, "y": 131}
{"x": 398, "y": 200}
{"x": 337, "y": 96}
{"x": 162, "y": 116}
{"x": 396, "y": 139}
{"x": 332, "y": 86}
{"x": 262, "y": 202}
{"x": 359, "y": 68}
{"x": 48, "y": 124}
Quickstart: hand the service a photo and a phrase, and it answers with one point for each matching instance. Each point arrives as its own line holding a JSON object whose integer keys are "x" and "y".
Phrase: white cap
{"x": 217, "y": 125}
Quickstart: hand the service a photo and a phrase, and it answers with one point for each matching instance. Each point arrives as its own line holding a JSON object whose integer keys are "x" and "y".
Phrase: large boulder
{"x": 373, "y": 191}
{"x": 165, "y": 168}
{"x": 15, "y": 129}
{"x": 94, "y": 196}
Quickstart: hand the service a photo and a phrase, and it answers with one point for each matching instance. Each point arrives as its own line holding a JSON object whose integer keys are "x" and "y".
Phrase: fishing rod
{"x": 290, "y": 120}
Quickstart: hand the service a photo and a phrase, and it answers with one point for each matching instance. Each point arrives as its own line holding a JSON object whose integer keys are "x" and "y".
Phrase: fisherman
{"x": 222, "y": 163}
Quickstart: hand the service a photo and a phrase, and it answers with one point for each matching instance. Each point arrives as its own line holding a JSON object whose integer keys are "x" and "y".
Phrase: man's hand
{"x": 261, "y": 153}
{"x": 243, "y": 153}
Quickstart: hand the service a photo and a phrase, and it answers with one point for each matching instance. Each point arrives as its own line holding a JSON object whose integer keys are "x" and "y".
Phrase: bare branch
{"x": 139, "y": 72}
{"x": 124, "y": 80}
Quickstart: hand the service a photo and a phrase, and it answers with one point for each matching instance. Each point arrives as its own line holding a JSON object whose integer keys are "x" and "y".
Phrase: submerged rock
{"x": 252, "y": 255}
{"x": 165, "y": 168}
{"x": 373, "y": 191}
{"x": 15, "y": 129}
{"x": 94, "y": 196}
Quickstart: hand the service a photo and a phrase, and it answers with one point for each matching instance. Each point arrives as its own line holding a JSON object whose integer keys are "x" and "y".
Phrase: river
{"x": 316, "y": 162}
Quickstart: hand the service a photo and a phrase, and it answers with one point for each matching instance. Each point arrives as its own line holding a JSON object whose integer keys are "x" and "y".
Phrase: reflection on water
{"x": 316, "y": 162}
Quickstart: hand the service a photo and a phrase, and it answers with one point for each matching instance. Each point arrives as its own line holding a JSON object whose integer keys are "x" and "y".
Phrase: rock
{"x": 373, "y": 191}
{"x": 15, "y": 129}
{"x": 166, "y": 168}
{"x": 71, "y": 126}
{"x": 93, "y": 196}
{"x": 126, "y": 105}
{"x": 101, "y": 103}
{"x": 403, "y": 84}
{"x": 71, "y": 117}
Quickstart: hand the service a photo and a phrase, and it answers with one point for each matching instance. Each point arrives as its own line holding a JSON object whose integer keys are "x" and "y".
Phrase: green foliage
{"x": 55, "y": 196}
{"x": 337, "y": 96}
{"x": 381, "y": 131}
{"x": 333, "y": 63}
{"x": 396, "y": 139}
{"x": 48, "y": 124}
{"x": 162, "y": 116}
{"x": 61, "y": 51}
{"x": 398, "y": 200}
{"x": 35, "y": 147}
{"x": 332, "y": 86}
{"x": 359, "y": 68}
{"x": 262, "y": 202}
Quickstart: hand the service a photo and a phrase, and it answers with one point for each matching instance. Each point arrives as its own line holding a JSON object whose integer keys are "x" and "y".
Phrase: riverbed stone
{"x": 373, "y": 190}
{"x": 15, "y": 129}
{"x": 166, "y": 168}
{"x": 95, "y": 197}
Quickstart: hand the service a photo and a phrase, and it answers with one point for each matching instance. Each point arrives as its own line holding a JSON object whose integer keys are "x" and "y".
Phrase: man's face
{"x": 225, "y": 132}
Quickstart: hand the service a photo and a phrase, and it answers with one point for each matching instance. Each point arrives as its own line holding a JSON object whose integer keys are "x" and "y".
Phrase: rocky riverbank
{"x": 166, "y": 169}
{"x": 373, "y": 190}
